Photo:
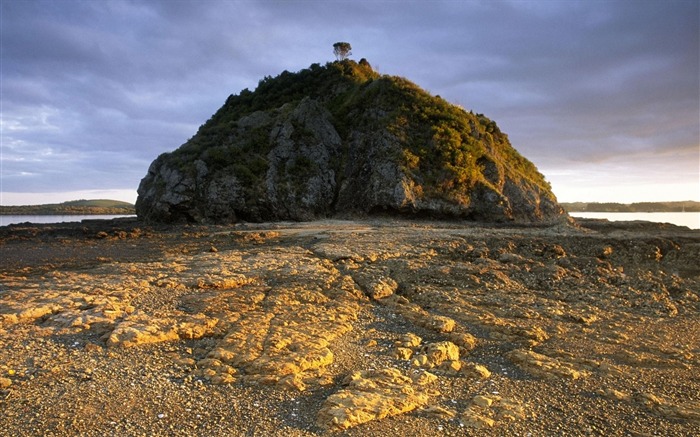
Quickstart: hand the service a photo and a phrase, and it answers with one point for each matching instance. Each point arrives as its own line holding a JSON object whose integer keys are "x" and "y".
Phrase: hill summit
{"x": 343, "y": 140}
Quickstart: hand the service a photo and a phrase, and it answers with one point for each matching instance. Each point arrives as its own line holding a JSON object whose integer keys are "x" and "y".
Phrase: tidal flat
{"x": 359, "y": 328}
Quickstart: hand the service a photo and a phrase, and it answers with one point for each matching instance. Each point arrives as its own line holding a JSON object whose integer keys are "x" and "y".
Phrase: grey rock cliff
{"x": 312, "y": 157}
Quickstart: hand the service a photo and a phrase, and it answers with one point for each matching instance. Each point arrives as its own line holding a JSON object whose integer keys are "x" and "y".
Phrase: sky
{"x": 603, "y": 96}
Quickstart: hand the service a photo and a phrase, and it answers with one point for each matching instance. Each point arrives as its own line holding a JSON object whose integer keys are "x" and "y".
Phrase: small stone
{"x": 441, "y": 351}
{"x": 648, "y": 399}
{"x": 510, "y": 258}
{"x": 424, "y": 378}
{"x": 293, "y": 382}
{"x": 475, "y": 420}
{"x": 207, "y": 373}
{"x": 92, "y": 347}
{"x": 403, "y": 353}
{"x": 473, "y": 370}
{"x": 384, "y": 287}
{"x": 610, "y": 369}
{"x": 451, "y": 366}
{"x": 555, "y": 251}
{"x": 463, "y": 340}
{"x": 222, "y": 378}
{"x": 605, "y": 252}
{"x": 409, "y": 340}
{"x": 611, "y": 393}
{"x": 482, "y": 401}
{"x": 510, "y": 410}
{"x": 5, "y": 382}
{"x": 419, "y": 360}
{"x": 442, "y": 324}
{"x": 186, "y": 362}
{"x": 439, "y": 412}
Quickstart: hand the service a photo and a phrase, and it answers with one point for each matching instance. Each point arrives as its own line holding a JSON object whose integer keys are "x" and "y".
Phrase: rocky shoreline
{"x": 367, "y": 327}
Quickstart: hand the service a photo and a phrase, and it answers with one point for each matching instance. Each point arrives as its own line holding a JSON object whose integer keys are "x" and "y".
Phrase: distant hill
{"x": 73, "y": 207}
{"x": 687, "y": 206}
{"x": 343, "y": 140}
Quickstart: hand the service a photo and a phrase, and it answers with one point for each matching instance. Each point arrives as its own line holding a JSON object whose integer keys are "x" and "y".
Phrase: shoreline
{"x": 625, "y": 219}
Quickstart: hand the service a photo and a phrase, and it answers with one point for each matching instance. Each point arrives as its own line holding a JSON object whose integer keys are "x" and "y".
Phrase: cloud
{"x": 92, "y": 92}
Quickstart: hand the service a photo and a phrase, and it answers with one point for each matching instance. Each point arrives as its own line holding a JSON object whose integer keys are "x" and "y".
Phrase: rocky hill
{"x": 343, "y": 140}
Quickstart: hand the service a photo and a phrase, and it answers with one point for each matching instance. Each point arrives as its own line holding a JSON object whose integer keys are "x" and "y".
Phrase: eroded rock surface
{"x": 374, "y": 394}
{"x": 358, "y": 328}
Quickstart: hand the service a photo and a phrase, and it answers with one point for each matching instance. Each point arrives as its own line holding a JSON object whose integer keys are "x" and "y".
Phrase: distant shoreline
{"x": 116, "y": 207}
{"x": 74, "y": 207}
{"x": 87, "y": 211}
{"x": 682, "y": 206}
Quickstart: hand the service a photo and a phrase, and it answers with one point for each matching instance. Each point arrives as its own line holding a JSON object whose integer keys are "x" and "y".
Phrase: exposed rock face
{"x": 344, "y": 141}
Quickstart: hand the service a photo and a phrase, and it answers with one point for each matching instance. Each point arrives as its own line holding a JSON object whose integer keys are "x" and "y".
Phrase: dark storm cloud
{"x": 93, "y": 91}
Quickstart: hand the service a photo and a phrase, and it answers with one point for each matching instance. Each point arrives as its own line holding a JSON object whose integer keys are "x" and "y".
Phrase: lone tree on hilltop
{"x": 341, "y": 50}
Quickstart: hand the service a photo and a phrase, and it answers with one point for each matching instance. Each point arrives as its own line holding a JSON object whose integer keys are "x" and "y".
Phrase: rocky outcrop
{"x": 372, "y": 395}
{"x": 299, "y": 182}
{"x": 348, "y": 142}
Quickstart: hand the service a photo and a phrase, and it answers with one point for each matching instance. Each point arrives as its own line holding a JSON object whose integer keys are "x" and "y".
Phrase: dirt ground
{"x": 359, "y": 328}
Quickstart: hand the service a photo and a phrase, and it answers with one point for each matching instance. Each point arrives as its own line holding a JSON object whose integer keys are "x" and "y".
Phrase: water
{"x": 689, "y": 219}
{"x": 11, "y": 219}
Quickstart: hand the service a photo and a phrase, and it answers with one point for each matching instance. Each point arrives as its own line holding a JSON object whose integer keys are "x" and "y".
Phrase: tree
{"x": 341, "y": 50}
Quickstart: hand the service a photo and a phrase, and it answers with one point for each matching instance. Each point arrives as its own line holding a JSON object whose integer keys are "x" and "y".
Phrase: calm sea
{"x": 689, "y": 219}
{"x": 12, "y": 219}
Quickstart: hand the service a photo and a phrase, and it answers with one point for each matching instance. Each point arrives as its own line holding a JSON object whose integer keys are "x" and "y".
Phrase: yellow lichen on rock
{"x": 281, "y": 334}
{"x": 544, "y": 366}
{"x": 441, "y": 351}
{"x": 371, "y": 395}
{"x": 474, "y": 419}
{"x": 416, "y": 314}
{"x": 687, "y": 411}
{"x": 142, "y": 329}
{"x": 473, "y": 370}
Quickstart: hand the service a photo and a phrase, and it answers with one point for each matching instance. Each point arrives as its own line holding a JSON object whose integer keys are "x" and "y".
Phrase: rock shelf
{"x": 354, "y": 328}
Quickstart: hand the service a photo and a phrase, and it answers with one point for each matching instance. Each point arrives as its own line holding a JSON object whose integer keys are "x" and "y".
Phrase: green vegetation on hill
{"x": 333, "y": 84}
{"x": 687, "y": 206}
{"x": 446, "y": 149}
{"x": 73, "y": 207}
